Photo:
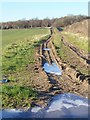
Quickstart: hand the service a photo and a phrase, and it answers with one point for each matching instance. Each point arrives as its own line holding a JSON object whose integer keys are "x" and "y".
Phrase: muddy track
{"x": 69, "y": 81}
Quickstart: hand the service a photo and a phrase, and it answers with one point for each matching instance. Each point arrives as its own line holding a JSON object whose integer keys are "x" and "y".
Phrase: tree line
{"x": 55, "y": 22}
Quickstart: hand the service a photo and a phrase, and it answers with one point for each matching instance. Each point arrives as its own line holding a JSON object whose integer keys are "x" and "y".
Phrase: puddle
{"x": 46, "y": 49}
{"x": 52, "y": 68}
{"x": 4, "y": 81}
{"x": 66, "y": 105}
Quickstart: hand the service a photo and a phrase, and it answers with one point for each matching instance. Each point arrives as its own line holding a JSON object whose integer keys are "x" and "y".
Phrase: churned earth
{"x": 62, "y": 79}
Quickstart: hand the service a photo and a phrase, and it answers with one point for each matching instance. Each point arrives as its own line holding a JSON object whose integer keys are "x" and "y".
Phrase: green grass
{"x": 17, "y": 57}
{"x": 66, "y": 55}
{"x": 19, "y": 96}
{"x": 15, "y": 35}
{"x": 60, "y": 48}
{"x": 80, "y": 42}
{"x": 19, "y": 50}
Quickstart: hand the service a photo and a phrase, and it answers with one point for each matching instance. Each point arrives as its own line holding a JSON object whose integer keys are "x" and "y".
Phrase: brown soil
{"x": 49, "y": 85}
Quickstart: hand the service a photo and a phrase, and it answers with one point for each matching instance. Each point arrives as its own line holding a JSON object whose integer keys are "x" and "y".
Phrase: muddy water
{"x": 47, "y": 49}
{"x": 51, "y": 68}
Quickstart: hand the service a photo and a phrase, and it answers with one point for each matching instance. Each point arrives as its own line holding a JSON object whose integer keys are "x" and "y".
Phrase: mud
{"x": 70, "y": 81}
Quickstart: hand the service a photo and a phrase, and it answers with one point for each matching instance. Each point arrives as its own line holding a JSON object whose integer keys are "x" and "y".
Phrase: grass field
{"x": 19, "y": 49}
{"x": 12, "y": 35}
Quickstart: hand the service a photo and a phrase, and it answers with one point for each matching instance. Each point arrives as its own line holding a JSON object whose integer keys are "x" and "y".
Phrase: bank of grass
{"x": 66, "y": 55}
{"x": 17, "y": 55}
{"x": 79, "y": 42}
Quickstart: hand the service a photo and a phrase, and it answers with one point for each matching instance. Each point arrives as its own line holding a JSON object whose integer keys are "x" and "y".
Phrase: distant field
{"x": 14, "y": 35}
{"x": 18, "y": 59}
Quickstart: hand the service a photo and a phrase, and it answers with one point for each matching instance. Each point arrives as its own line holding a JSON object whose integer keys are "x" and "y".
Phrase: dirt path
{"x": 70, "y": 81}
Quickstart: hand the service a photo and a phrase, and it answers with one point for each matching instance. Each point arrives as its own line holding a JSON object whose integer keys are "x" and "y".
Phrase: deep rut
{"x": 67, "y": 82}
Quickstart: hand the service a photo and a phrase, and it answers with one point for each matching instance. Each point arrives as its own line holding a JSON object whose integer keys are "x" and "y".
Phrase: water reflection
{"x": 52, "y": 68}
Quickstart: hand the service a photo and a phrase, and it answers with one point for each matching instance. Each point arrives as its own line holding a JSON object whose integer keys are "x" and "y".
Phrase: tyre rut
{"x": 68, "y": 82}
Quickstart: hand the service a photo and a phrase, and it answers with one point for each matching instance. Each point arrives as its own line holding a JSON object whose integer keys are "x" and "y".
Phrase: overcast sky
{"x": 12, "y": 11}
